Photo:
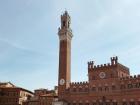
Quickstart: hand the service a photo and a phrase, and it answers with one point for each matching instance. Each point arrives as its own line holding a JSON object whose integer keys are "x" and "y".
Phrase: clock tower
{"x": 65, "y": 36}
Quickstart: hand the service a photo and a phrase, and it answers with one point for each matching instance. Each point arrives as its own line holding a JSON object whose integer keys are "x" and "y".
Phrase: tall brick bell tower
{"x": 65, "y": 36}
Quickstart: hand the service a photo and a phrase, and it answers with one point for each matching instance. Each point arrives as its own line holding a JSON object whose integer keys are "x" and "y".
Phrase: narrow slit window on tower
{"x": 68, "y": 24}
{"x": 64, "y": 23}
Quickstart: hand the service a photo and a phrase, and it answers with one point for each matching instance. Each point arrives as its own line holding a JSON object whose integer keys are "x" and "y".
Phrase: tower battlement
{"x": 114, "y": 62}
{"x": 80, "y": 83}
{"x": 131, "y": 77}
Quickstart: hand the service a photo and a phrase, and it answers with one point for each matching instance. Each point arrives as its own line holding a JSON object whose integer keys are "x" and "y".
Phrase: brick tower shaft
{"x": 65, "y": 36}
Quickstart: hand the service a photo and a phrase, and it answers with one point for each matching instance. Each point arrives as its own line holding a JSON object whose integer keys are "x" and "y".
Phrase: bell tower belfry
{"x": 65, "y": 36}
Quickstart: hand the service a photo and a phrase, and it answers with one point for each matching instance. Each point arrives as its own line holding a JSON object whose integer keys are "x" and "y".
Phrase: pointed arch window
{"x": 130, "y": 86}
{"x": 100, "y": 89}
{"x": 113, "y": 87}
{"x": 132, "y": 103}
{"x": 124, "y": 103}
{"x": 115, "y": 103}
{"x": 106, "y": 88}
{"x": 93, "y": 88}
{"x": 80, "y": 89}
{"x": 64, "y": 23}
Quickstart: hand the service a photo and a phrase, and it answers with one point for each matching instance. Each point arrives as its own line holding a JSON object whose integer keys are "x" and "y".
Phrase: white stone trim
{"x": 100, "y": 101}
{"x": 114, "y": 100}
{"x": 124, "y": 100}
{"x": 106, "y": 84}
{"x": 107, "y": 100}
{"x": 80, "y": 101}
{"x": 131, "y": 100}
{"x": 94, "y": 101}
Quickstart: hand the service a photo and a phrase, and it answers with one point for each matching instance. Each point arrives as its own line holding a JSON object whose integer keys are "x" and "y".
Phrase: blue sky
{"x": 29, "y": 41}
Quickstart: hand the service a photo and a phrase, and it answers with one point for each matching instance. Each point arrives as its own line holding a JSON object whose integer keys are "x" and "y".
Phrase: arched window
{"x": 124, "y": 103}
{"x": 100, "y": 103}
{"x": 106, "y": 88}
{"x": 94, "y": 103}
{"x": 115, "y": 103}
{"x": 137, "y": 85}
{"x": 132, "y": 103}
{"x": 86, "y": 89}
{"x": 107, "y": 103}
{"x": 68, "y": 24}
{"x": 113, "y": 87}
{"x": 69, "y": 104}
{"x": 74, "y": 103}
{"x": 87, "y": 103}
{"x": 74, "y": 89}
{"x": 64, "y": 23}
{"x": 80, "y": 103}
{"x": 138, "y": 102}
{"x": 80, "y": 89}
{"x": 99, "y": 88}
{"x": 130, "y": 86}
{"x": 93, "y": 88}
{"x": 122, "y": 86}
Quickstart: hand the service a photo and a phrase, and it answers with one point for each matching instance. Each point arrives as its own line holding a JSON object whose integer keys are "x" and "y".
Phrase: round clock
{"x": 102, "y": 75}
{"x": 62, "y": 81}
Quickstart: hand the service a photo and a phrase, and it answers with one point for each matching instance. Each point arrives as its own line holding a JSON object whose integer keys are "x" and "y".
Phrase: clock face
{"x": 102, "y": 75}
{"x": 62, "y": 81}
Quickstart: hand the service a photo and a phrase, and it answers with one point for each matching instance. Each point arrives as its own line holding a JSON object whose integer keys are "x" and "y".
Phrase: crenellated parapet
{"x": 102, "y": 66}
{"x": 82, "y": 87}
{"x": 90, "y": 64}
{"x": 114, "y": 62}
{"x": 131, "y": 77}
{"x": 79, "y": 83}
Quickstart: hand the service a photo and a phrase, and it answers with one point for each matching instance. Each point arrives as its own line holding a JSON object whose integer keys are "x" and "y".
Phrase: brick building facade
{"x": 12, "y": 95}
{"x": 108, "y": 84}
{"x": 43, "y": 97}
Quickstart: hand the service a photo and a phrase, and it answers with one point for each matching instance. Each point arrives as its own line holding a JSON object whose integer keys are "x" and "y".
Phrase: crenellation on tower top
{"x": 65, "y": 20}
{"x": 65, "y": 32}
{"x": 90, "y": 64}
{"x": 114, "y": 62}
